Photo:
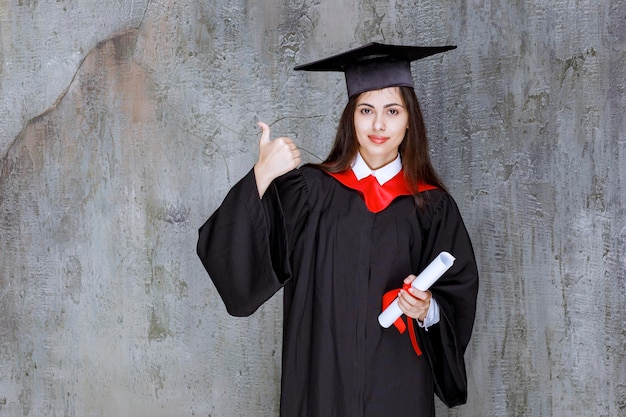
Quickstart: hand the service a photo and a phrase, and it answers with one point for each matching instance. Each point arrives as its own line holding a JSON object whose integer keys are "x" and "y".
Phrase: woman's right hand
{"x": 276, "y": 157}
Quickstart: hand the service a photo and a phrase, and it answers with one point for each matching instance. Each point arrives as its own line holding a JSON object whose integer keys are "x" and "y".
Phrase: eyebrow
{"x": 384, "y": 107}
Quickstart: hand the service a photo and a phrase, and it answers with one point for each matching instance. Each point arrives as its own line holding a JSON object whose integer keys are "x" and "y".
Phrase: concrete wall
{"x": 124, "y": 123}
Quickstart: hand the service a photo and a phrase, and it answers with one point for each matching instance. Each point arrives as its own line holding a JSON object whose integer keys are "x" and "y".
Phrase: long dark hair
{"x": 413, "y": 149}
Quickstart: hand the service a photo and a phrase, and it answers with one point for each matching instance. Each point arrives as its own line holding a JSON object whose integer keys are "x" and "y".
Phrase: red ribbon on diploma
{"x": 388, "y": 298}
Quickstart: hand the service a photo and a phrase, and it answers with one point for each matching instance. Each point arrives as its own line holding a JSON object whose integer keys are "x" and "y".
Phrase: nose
{"x": 379, "y": 124}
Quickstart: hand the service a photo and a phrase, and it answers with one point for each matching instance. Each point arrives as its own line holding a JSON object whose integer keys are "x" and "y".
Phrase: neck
{"x": 378, "y": 163}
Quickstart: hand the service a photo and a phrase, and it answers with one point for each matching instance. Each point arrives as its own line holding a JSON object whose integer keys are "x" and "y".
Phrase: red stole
{"x": 378, "y": 197}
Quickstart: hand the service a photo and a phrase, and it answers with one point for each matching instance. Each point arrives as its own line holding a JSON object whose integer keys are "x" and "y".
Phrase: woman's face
{"x": 380, "y": 121}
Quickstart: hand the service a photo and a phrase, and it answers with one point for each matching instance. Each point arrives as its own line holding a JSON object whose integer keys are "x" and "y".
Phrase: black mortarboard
{"x": 375, "y": 65}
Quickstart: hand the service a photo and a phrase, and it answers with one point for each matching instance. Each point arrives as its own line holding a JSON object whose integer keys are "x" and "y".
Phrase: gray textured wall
{"x": 124, "y": 123}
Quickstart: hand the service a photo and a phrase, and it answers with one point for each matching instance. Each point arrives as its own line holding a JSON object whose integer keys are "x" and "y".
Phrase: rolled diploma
{"x": 424, "y": 280}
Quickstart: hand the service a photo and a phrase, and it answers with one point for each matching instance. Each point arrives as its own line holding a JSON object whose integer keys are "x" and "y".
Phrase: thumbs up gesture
{"x": 276, "y": 157}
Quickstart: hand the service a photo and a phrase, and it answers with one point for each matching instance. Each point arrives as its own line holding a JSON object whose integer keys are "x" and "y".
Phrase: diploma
{"x": 424, "y": 280}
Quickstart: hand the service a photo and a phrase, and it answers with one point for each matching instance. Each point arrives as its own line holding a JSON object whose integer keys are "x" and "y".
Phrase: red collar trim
{"x": 378, "y": 197}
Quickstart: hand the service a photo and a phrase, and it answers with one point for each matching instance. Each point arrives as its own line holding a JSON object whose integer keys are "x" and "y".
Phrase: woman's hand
{"x": 414, "y": 303}
{"x": 276, "y": 157}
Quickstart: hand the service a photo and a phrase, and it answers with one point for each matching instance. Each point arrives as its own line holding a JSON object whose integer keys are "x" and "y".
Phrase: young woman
{"x": 340, "y": 235}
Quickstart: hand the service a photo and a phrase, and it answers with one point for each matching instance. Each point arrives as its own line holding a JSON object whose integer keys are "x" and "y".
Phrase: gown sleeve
{"x": 245, "y": 245}
{"x": 456, "y": 293}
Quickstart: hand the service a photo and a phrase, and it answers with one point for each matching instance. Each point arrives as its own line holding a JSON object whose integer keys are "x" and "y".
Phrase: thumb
{"x": 265, "y": 135}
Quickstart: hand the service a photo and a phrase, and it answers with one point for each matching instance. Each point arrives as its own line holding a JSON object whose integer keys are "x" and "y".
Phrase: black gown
{"x": 335, "y": 259}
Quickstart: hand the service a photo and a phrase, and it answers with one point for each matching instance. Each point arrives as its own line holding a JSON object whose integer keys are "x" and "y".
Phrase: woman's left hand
{"x": 414, "y": 303}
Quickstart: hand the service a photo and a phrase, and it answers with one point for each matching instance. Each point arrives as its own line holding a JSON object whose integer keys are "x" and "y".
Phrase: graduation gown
{"x": 315, "y": 237}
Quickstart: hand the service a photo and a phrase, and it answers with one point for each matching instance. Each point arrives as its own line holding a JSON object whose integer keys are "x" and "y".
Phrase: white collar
{"x": 382, "y": 175}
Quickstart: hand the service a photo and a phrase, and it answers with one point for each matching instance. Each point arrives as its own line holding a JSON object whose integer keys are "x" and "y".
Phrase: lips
{"x": 378, "y": 139}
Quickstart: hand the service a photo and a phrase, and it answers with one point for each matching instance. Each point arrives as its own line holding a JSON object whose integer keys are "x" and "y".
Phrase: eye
{"x": 394, "y": 112}
{"x": 366, "y": 110}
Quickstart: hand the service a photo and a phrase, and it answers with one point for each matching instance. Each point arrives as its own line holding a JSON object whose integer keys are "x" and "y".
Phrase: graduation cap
{"x": 375, "y": 65}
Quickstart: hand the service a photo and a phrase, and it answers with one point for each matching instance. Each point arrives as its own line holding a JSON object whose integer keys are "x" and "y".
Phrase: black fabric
{"x": 335, "y": 260}
{"x": 375, "y": 65}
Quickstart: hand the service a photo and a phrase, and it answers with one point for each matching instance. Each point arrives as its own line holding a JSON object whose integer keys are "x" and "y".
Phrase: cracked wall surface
{"x": 123, "y": 125}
